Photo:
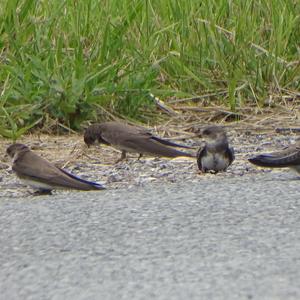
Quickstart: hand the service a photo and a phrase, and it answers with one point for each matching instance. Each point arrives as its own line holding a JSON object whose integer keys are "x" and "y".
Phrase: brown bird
{"x": 134, "y": 139}
{"x": 37, "y": 172}
{"x": 288, "y": 157}
{"x": 215, "y": 155}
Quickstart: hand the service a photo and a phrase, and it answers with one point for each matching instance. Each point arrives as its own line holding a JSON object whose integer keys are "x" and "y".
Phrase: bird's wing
{"x": 287, "y": 157}
{"x": 142, "y": 144}
{"x": 169, "y": 143}
{"x": 230, "y": 153}
{"x": 114, "y": 133}
{"x": 35, "y": 167}
{"x": 90, "y": 183}
{"x": 143, "y": 132}
{"x": 200, "y": 153}
{"x": 117, "y": 133}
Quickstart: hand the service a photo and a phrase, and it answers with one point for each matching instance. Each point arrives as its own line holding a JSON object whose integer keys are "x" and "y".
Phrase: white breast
{"x": 36, "y": 185}
{"x": 214, "y": 161}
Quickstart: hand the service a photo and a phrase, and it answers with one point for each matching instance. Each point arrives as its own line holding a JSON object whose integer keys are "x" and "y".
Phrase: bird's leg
{"x": 42, "y": 192}
{"x": 140, "y": 156}
{"x": 123, "y": 156}
{"x": 204, "y": 171}
{"x": 213, "y": 172}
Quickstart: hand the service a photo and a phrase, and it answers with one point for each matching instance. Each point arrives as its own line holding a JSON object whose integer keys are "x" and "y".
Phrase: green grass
{"x": 72, "y": 61}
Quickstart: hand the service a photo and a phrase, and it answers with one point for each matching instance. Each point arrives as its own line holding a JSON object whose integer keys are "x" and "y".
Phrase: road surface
{"x": 232, "y": 238}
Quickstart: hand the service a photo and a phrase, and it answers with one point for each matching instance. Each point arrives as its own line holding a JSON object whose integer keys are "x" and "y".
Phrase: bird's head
{"x": 89, "y": 138}
{"x": 213, "y": 133}
{"x": 15, "y": 149}
{"x": 93, "y": 134}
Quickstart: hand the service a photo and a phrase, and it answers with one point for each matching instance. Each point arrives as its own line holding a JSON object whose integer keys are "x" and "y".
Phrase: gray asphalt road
{"x": 237, "y": 238}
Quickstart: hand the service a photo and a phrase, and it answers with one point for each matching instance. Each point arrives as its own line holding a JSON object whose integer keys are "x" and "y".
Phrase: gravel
{"x": 97, "y": 163}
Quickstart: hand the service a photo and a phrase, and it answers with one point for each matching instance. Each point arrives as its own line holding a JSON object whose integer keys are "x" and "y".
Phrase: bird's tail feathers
{"x": 169, "y": 143}
{"x": 268, "y": 160}
{"x": 169, "y": 152}
{"x": 97, "y": 186}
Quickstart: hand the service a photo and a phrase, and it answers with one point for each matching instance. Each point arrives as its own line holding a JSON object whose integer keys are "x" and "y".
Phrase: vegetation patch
{"x": 70, "y": 61}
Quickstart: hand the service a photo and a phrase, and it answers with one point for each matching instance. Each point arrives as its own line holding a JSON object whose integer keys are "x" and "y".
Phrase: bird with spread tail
{"x": 215, "y": 155}
{"x": 128, "y": 138}
{"x": 43, "y": 176}
{"x": 288, "y": 157}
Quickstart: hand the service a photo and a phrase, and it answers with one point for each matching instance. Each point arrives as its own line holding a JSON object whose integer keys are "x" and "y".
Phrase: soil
{"x": 97, "y": 163}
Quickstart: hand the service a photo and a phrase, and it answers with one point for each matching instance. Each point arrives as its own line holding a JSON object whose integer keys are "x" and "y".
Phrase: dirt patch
{"x": 98, "y": 163}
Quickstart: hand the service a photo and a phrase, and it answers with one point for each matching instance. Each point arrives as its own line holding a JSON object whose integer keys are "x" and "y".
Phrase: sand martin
{"x": 128, "y": 138}
{"x": 288, "y": 157}
{"x": 215, "y": 155}
{"x": 37, "y": 172}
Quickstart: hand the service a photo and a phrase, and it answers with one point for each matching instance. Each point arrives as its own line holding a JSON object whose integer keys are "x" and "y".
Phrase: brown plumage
{"x": 215, "y": 155}
{"x": 129, "y": 138}
{"x": 288, "y": 157}
{"x": 41, "y": 174}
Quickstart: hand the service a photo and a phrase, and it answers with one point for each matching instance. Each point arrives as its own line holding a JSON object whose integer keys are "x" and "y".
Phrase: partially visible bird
{"x": 288, "y": 157}
{"x": 37, "y": 172}
{"x": 215, "y": 155}
{"x": 128, "y": 138}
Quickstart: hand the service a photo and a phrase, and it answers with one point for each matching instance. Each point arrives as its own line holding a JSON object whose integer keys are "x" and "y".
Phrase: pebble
{"x": 133, "y": 172}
